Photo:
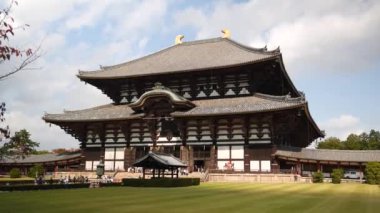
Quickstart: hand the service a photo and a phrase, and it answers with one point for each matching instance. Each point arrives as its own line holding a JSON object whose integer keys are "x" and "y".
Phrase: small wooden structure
{"x": 159, "y": 163}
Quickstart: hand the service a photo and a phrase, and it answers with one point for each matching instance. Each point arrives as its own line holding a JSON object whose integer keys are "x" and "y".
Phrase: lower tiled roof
{"x": 104, "y": 112}
{"x": 249, "y": 104}
{"x": 329, "y": 154}
{"x": 45, "y": 158}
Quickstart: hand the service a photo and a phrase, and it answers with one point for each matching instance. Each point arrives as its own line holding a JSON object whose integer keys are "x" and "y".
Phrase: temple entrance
{"x": 199, "y": 165}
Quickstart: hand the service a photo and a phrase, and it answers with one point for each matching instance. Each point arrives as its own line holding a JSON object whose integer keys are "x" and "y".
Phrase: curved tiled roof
{"x": 105, "y": 112}
{"x": 187, "y": 56}
{"x": 45, "y": 158}
{"x": 249, "y": 104}
{"x": 329, "y": 154}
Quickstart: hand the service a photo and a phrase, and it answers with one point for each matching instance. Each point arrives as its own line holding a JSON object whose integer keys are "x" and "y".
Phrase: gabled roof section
{"x": 159, "y": 160}
{"x": 187, "y": 56}
{"x": 329, "y": 154}
{"x": 161, "y": 91}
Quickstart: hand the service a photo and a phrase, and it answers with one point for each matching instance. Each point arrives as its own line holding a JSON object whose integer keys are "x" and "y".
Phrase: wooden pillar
{"x": 154, "y": 173}
{"x": 361, "y": 172}
{"x": 172, "y": 173}
{"x": 191, "y": 159}
{"x": 143, "y": 172}
{"x": 213, "y": 158}
{"x": 275, "y": 167}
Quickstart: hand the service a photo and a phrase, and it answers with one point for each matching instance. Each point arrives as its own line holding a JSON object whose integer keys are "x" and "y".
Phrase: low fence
{"x": 257, "y": 178}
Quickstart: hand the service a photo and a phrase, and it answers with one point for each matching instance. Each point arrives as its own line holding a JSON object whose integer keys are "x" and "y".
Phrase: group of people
{"x": 228, "y": 166}
{"x": 134, "y": 169}
{"x": 75, "y": 179}
{"x": 39, "y": 180}
{"x": 106, "y": 179}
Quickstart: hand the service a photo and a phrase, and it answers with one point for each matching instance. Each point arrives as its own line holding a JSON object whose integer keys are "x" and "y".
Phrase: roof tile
{"x": 194, "y": 55}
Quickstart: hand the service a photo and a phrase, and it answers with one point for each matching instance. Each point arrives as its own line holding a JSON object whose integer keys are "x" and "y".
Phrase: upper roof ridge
{"x": 262, "y": 50}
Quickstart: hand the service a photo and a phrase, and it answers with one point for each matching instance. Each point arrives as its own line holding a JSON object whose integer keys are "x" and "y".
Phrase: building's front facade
{"x": 215, "y": 104}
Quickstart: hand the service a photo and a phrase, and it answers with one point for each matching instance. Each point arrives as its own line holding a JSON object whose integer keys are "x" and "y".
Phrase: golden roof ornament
{"x": 226, "y": 33}
{"x": 178, "y": 39}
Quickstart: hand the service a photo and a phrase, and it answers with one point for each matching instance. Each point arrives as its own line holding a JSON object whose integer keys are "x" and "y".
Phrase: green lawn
{"x": 209, "y": 197}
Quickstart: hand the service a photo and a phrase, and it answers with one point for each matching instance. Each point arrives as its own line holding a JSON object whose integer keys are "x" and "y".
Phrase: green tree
{"x": 20, "y": 145}
{"x": 330, "y": 143}
{"x": 36, "y": 170}
{"x": 353, "y": 142}
{"x": 8, "y": 52}
{"x": 337, "y": 175}
{"x": 372, "y": 173}
{"x": 373, "y": 140}
{"x": 317, "y": 177}
{"x": 40, "y": 152}
{"x": 15, "y": 173}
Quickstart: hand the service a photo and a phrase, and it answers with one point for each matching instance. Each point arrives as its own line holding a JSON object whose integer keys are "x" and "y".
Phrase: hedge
{"x": 161, "y": 182}
{"x": 43, "y": 187}
{"x": 24, "y": 182}
{"x": 15, "y": 182}
{"x": 109, "y": 184}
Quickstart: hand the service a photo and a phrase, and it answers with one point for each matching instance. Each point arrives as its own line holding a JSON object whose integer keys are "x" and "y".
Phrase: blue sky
{"x": 330, "y": 49}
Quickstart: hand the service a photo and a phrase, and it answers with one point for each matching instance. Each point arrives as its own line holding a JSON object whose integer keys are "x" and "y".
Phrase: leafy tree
{"x": 337, "y": 175}
{"x": 317, "y": 177}
{"x": 63, "y": 150}
{"x": 15, "y": 173}
{"x": 20, "y": 145}
{"x": 9, "y": 51}
{"x": 372, "y": 173}
{"x": 330, "y": 143}
{"x": 374, "y": 140}
{"x": 364, "y": 141}
{"x": 353, "y": 142}
{"x": 36, "y": 170}
{"x": 4, "y": 131}
{"x": 40, "y": 152}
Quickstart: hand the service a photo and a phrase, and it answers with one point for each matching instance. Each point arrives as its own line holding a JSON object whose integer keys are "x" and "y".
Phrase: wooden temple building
{"x": 215, "y": 104}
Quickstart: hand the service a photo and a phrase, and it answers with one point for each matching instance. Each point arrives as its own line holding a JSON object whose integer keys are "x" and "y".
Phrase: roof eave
{"x": 92, "y": 77}
{"x": 239, "y": 113}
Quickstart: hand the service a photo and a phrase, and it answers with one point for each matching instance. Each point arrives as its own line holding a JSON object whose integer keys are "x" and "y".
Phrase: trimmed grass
{"x": 208, "y": 197}
{"x": 7, "y": 179}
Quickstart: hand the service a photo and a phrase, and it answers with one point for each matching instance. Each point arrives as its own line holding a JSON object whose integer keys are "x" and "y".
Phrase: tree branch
{"x": 24, "y": 64}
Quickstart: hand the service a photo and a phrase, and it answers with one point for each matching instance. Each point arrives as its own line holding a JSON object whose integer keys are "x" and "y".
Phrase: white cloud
{"x": 342, "y": 126}
{"x": 88, "y": 15}
{"x": 55, "y": 87}
{"x": 49, "y": 138}
{"x": 323, "y": 36}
